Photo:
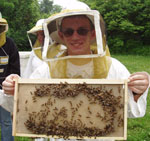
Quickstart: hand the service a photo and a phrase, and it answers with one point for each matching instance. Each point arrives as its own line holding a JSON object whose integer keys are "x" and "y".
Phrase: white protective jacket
{"x": 33, "y": 63}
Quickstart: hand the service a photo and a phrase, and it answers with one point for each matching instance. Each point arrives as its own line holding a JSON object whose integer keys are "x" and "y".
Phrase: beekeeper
{"x": 36, "y": 39}
{"x": 82, "y": 31}
{"x": 9, "y": 64}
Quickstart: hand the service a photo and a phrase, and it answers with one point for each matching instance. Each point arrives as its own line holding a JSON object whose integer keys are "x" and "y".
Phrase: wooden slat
{"x": 15, "y": 107}
{"x": 125, "y": 110}
{"x": 71, "y": 137}
{"x": 71, "y": 81}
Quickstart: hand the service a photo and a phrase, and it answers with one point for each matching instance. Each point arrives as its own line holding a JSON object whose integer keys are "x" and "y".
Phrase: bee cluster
{"x": 77, "y": 117}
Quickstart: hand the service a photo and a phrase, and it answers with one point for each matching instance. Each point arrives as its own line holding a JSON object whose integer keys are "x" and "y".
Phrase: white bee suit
{"x": 33, "y": 63}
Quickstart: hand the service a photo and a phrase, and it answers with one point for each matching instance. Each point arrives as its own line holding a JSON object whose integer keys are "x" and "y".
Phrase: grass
{"x": 135, "y": 63}
{"x": 138, "y": 129}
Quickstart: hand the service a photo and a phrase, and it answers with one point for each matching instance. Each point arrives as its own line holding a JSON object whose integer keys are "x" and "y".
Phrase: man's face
{"x": 40, "y": 36}
{"x": 77, "y": 35}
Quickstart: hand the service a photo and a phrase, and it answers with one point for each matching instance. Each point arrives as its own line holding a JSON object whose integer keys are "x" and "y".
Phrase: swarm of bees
{"x": 65, "y": 121}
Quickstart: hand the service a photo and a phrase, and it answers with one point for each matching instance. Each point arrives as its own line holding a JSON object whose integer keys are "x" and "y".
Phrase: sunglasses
{"x": 81, "y": 31}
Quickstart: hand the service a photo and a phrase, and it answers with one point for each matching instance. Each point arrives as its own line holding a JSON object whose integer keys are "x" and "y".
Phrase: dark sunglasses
{"x": 81, "y": 31}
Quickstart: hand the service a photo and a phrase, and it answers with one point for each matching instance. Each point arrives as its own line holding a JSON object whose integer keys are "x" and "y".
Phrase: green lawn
{"x": 138, "y": 129}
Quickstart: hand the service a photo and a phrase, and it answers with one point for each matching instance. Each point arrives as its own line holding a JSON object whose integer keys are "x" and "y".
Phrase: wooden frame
{"x": 30, "y": 102}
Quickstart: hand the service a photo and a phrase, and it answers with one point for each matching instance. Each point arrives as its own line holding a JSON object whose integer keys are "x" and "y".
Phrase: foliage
{"x": 5, "y": 5}
{"x": 46, "y": 6}
{"x": 128, "y": 25}
{"x": 21, "y": 16}
{"x": 20, "y": 19}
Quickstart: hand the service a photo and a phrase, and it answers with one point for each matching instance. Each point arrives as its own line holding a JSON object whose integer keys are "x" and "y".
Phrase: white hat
{"x": 32, "y": 33}
{"x": 37, "y": 27}
{"x": 76, "y": 5}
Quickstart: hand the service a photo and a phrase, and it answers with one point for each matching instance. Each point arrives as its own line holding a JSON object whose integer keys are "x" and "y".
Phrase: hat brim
{"x": 35, "y": 29}
{"x": 3, "y": 21}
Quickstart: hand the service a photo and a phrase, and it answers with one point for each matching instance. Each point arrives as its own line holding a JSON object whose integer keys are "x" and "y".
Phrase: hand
{"x": 138, "y": 83}
{"x": 8, "y": 84}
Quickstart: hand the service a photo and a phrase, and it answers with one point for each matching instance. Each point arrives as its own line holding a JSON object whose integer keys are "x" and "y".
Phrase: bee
{"x": 80, "y": 122}
{"x": 70, "y": 103}
{"x": 119, "y": 89}
{"x": 34, "y": 99}
{"x": 87, "y": 117}
{"x": 54, "y": 101}
{"x": 79, "y": 115}
{"x": 110, "y": 91}
{"x": 77, "y": 106}
{"x": 26, "y": 101}
{"x": 18, "y": 110}
{"x": 91, "y": 122}
{"x": 89, "y": 111}
{"x": 51, "y": 103}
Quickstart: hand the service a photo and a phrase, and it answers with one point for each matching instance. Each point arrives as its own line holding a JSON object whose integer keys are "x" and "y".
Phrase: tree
{"x": 47, "y": 7}
{"x": 128, "y": 25}
{"x": 5, "y": 5}
{"x": 21, "y": 16}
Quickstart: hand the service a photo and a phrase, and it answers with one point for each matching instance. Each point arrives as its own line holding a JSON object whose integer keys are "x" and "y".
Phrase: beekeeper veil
{"x": 36, "y": 38}
{"x": 3, "y": 30}
{"x": 58, "y": 61}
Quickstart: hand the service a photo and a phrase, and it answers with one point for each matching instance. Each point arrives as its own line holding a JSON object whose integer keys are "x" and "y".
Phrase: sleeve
{"x": 14, "y": 60}
{"x": 6, "y": 101}
{"x": 135, "y": 109}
